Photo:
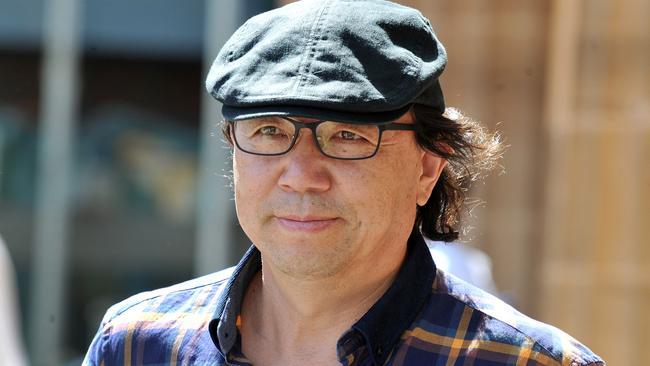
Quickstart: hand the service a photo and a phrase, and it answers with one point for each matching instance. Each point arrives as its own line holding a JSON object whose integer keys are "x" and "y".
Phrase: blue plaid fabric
{"x": 427, "y": 317}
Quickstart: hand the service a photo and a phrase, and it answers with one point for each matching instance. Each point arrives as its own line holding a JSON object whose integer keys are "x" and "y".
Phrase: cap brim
{"x": 239, "y": 113}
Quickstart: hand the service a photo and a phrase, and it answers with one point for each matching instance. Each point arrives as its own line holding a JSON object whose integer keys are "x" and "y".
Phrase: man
{"x": 344, "y": 157}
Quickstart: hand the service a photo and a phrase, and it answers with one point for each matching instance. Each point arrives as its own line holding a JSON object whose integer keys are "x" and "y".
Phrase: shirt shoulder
{"x": 155, "y": 327}
{"x": 171, "y": 298}
{"x": 465, "y": 323}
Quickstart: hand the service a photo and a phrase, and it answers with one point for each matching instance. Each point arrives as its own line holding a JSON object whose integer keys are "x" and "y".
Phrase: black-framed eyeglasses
{"x": 276, "y": 135}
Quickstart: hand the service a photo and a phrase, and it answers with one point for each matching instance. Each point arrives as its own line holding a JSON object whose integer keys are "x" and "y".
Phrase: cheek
{"x": 251, "y": 179}
{"x": 251, "y": 174}
{"x": 240, "y": 179}
{"x": 388, "y": 196}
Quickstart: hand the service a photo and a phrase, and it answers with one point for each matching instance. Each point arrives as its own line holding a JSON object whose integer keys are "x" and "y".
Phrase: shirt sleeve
{"x": 108, "y": 347}
{"x": 105, "y": 347}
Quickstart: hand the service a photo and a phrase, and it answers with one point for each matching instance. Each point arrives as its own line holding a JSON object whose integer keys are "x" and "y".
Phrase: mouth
{"x": 306, "y": 223}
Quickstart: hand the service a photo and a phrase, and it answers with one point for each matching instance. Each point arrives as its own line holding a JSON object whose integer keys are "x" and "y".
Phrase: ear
{"x": 432, "y": 166}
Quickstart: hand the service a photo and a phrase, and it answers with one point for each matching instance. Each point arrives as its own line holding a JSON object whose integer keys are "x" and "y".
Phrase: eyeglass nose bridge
{"x": 312, "y": 126}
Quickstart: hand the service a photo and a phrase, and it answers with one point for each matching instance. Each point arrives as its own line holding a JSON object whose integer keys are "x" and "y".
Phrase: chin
{"x": 307, "y": 260}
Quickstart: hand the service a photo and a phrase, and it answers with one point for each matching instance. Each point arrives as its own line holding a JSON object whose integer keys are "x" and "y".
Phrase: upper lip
{"x": 305, "y": 218}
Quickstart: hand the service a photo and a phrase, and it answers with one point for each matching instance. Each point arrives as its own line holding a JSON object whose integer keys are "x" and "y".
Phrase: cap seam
{"x": 310, "y": 48}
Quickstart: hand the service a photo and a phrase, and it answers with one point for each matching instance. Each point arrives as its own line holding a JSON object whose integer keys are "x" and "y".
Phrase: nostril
{"x": 303, "y": 173}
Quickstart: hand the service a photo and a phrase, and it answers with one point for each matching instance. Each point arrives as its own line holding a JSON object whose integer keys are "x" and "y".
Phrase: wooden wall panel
{"x": 595, "y": 279}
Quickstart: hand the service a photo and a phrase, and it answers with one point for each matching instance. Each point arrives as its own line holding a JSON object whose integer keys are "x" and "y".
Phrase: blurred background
{"x": 112, "y": 168}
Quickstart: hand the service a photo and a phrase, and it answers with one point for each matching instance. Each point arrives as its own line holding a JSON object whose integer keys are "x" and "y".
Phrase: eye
{"x": 348, "y": 135}
{"x": 269, "y": 130}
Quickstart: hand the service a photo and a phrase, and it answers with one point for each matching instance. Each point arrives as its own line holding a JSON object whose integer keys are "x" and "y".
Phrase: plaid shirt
{"x": 427, "y": 317}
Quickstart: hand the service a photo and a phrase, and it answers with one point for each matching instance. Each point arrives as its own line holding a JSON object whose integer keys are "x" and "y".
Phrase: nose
{"x": 305, "y": 167}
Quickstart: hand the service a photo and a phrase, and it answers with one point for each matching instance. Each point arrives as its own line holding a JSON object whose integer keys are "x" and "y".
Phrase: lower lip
{"x": 306, "y": 226}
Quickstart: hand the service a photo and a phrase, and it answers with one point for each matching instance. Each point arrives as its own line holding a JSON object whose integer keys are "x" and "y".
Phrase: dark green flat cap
{"x": 343, "y": 60}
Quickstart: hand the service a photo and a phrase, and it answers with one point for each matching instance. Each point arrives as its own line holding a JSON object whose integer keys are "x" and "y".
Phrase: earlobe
{"x": 432, "y": 166}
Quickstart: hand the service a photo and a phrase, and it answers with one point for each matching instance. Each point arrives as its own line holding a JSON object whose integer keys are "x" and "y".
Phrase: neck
{"x": 305, "y": 315}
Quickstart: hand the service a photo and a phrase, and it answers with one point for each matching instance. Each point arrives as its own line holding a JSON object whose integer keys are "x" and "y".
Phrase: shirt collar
{"x": 380, "y": 328}
{"x": 223, "y": 327}
{"x": 393, "y": 313}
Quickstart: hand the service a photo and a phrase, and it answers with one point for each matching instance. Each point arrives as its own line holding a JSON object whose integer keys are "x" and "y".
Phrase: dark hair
{"x": 471, "y": 152}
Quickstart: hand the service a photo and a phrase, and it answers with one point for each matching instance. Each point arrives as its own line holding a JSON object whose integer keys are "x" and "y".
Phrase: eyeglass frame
{"x": 298, "y": 125}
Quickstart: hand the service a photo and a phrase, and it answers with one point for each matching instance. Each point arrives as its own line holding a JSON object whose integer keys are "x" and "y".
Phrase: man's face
{"x": 313, "y": 217}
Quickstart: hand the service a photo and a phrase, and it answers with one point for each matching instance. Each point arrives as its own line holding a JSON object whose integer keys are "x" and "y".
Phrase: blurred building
{"x": 566, "y": 226}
